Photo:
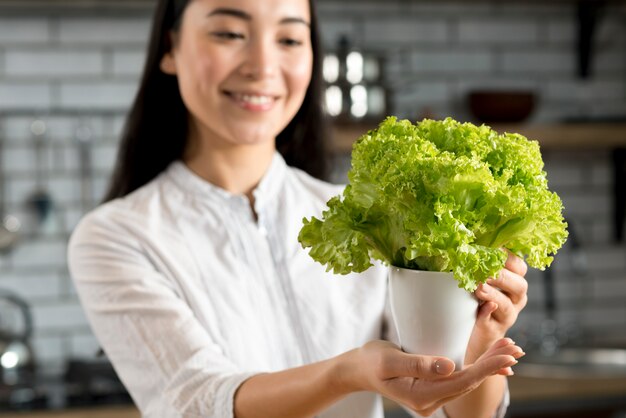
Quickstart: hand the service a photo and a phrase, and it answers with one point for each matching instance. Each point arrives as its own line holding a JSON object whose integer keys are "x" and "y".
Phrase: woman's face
{"x": 243, "y": 67}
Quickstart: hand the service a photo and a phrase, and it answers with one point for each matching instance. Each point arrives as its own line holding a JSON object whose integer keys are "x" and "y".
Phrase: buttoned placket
{"x": 242, "y": 220}
{"x": 269, "y": 228}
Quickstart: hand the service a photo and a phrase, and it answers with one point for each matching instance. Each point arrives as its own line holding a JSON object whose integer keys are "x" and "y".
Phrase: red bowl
{"x": 501, "y": 106}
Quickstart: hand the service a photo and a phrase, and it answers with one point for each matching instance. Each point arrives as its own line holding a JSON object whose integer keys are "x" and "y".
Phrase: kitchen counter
{"x": 572, "y": 398}
{"x": 95, "y": 412}
{"x": 550, "y": 136}
{"x": 537, "y": 397}
{"x": 524, "y": 389}
{"x": 526, "y": 393}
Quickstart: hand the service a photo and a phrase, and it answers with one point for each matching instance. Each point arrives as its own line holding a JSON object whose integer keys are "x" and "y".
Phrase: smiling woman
{"x": 159, "y": 113}
{"x": 242, "y": 75}
{"x": 191, "y": 273}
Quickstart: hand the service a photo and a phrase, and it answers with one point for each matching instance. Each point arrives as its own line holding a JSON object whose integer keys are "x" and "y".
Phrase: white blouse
{"x": 189, "y": 295}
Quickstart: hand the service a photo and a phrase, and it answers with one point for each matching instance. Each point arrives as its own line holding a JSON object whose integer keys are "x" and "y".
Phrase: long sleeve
{"x": 190, "y": 295}
{"x": 147, "y": 330}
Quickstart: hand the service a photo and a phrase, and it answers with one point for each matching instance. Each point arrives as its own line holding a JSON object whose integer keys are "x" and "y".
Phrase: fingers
{"x": 504, "y": 311}
{"x": 460, "y": 383}
{"x": 411, "y": 365}
{"x": 514, "y": 285}
{"x": 508, "y": 291}
{"x": 495, "y": 365}
{"x": 425, "y": 396}
{"x": 504, "y": 346}
{"x": 516, "y": 264}
{"x": 498, "y": 359}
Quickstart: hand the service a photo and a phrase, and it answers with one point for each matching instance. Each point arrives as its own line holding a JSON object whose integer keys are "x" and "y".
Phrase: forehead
{"x": 258, "y": 9}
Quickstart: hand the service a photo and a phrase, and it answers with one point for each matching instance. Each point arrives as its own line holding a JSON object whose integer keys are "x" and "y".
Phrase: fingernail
{"x": 444, "y": 367}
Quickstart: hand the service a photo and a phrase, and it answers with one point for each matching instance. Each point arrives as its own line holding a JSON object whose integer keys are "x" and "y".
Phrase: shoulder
{"x": 127, "y": 218}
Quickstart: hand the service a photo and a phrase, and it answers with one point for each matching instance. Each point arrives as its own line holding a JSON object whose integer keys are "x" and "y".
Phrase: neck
{"x": 237, "y": 169}
{"x": 237, "y": 173}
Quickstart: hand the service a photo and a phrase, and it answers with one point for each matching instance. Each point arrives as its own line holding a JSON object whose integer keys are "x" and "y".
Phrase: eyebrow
{"x": 246, "y": 16}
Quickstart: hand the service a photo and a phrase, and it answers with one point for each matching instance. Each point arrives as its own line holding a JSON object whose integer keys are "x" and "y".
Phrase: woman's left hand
{"x": 502, "y": 299}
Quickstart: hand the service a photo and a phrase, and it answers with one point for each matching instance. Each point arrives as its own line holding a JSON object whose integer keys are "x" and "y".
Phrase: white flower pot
{"x": 432, "y": 315}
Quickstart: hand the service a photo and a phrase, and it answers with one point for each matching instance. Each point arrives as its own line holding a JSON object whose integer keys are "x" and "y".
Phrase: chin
{"x": 254, "y": 136}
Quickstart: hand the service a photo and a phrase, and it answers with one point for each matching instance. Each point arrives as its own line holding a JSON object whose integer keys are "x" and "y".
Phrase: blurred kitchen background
{"x": 553, "y": 70}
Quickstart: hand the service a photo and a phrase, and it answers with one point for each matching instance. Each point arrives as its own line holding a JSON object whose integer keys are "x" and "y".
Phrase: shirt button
{"x": 262, "y": 230}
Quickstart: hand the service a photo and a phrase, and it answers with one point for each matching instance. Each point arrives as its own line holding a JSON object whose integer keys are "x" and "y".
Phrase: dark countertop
{"x": 95, "y": 412}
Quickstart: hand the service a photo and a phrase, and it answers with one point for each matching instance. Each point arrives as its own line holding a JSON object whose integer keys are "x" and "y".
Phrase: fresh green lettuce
{"x": 439, "y": 196}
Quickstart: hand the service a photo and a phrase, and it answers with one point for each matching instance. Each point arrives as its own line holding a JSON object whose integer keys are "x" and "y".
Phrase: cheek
{"x": 204, "y": 73}
{"x": 300, "y": 75}
{"x": 198, "y": 67}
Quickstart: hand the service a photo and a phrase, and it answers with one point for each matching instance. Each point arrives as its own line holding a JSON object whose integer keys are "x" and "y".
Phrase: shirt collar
{"x": 269, "y": 187}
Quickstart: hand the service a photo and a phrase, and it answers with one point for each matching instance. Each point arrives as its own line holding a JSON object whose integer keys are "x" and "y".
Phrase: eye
{"x": 290, "y": 42}
{"x": 227, "y": 35}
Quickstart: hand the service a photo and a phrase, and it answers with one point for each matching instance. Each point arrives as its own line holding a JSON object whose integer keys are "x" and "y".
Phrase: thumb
{"x": 419, "y": 366}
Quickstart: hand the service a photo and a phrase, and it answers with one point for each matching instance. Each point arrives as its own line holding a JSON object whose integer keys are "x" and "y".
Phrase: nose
{"x": 261, "y": 60}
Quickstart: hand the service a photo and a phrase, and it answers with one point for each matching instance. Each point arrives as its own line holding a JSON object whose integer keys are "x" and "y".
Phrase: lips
{"x": 253, "y": 101}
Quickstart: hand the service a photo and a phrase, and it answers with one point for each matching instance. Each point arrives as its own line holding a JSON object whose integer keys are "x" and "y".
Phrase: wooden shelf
{"x": 566, "y": 136}
{"x": 572, "y": 135}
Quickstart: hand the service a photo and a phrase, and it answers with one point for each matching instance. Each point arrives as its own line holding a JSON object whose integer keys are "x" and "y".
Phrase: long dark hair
{"x": 155, "y": 133}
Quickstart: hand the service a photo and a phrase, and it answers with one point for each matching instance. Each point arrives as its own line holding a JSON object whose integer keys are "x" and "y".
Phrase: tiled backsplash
{"x": 53, "y": 65}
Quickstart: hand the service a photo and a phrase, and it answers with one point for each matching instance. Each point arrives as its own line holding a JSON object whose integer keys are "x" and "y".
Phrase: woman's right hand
{"x": 422, "y": 383}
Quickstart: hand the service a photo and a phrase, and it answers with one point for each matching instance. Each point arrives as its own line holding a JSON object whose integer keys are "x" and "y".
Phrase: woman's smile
{"x": 243, "y": 69}
{"x": 253, "y": 101}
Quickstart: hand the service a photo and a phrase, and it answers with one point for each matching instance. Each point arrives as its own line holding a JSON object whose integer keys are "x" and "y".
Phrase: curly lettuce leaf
{"x": 439, "y": 196}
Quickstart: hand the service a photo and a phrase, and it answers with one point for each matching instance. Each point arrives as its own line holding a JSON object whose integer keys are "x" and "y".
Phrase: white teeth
{"x": 255, "y": 100}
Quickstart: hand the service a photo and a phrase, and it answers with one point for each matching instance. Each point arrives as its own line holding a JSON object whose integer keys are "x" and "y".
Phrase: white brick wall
{"x": 435, "y": 52}
{"x": 45, "y": 63}
{"x": 453, "y": 62}
{"x": 61, "y": 315}
{"x": 104, "y": 31}
{"x": 24, "y": 30}
{"x": 404, "y": 31}
{"x": 503, "y": 31}
{"x": 128, "y": 62}
{"x": 534, "y": 61}
{"x": 99, "y": 95}
{"x": 49, "y": 254}
{"x": 25, "y": 95}
{"x": 561, "y": 32}
{"x": 33, "y": 286}
{"x": 50, "y": 350}
{"x": 84, "y": 345}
